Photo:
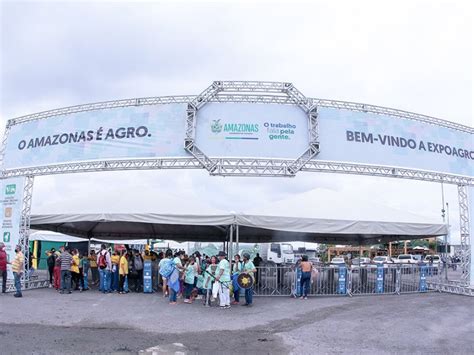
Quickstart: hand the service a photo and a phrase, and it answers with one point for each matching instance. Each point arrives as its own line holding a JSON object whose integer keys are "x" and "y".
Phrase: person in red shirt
{"x": 3, "y": 267}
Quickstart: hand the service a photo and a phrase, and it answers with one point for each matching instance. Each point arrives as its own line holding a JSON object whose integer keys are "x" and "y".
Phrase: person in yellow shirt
{"x": 147, "y": 256}
{"x": 123, "y": 271}
{"x": 94, "y": 268}
{"x": 115, "y": 259}
{"x": 18, "y": 266}
{"x": 76, "y": 276}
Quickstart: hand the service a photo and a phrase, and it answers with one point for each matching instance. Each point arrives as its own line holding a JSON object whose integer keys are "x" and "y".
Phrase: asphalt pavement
{"x": 45, "y": 322}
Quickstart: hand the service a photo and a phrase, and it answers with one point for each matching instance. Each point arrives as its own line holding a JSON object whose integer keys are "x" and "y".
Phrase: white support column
{"x": 237, "y": 238}
{"x": 229, "y": 253}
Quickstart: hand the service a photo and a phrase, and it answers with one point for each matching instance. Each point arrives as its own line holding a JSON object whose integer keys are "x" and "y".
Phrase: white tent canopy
{"x": 49, "y": 236}
{"x": 215, "y": 228}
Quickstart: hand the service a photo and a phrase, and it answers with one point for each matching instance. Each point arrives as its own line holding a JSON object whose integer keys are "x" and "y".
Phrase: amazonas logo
{"x": 234, "y": 128}
{"x": 216, "y": 126}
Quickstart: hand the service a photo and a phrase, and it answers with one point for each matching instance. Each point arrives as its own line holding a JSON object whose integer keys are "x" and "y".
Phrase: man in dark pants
{"x": 256, "y": 262}
{"x": 51, "y": 261}
{"x": 3, "y": 267}
{"x": 138, "y": 264}
{"x": 66, "y": 261}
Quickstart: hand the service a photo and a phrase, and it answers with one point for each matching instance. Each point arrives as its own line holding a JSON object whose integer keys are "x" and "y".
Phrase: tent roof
{"x": 214, "y": 228}
{"x": 49, "y": 236}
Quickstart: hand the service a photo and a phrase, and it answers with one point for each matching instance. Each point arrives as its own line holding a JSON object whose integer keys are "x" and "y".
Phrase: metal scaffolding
{"x": 465, "y": 233}
{"x": 259, "y": 92}
{"x": 25, "y": 224}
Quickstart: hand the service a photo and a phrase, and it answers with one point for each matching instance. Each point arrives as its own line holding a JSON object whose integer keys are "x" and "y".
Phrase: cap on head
{"x": 221, "y": 253}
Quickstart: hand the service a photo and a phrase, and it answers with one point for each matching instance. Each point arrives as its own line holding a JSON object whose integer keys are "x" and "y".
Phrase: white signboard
{"x": 121, "y": 133}
{"x": 11, "y": 204}
{"x": 367, "y": 138}
{"x": 252, "y": 130}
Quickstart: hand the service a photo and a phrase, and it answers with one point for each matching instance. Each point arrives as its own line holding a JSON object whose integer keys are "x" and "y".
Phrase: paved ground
{"x": 45, "y": 322}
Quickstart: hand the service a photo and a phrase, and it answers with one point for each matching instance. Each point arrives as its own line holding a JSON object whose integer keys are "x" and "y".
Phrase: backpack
{"x": 102, "y": 264}
{"x": 51, "y": 261}
{"x": 167, "y": 268}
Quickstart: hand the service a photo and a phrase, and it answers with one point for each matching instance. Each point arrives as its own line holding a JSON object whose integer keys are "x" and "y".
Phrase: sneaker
{"x": 173, "y": 303}
{"x": 227, "y": 307}
{"x": 222, "y": 307}
{"x": 18, "y": 295}
{"x": 187, "y": 301}
{"x": 245, "y": 304}
{"x": 305, "y": 298}
{"x": 235, "y": 302}
{"x": 50, "y": 286}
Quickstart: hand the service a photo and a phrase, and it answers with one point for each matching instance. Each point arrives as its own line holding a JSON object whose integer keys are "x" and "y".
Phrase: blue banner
{"x": 298, "y": 274}
{"x": 147, "y": 280}
{"x": 423, "y": 272}
{"x": 341, "y": 289}
{"x": 379, "y": 280}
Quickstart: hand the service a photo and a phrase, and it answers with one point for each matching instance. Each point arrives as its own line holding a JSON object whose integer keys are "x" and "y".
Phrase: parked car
{"x": 336, "y": 262}
{"x": 364, "y": 262}
{"x": 406, "y": 259}
{"x": 432, "y": 259}
{"x": 382, "y": 260}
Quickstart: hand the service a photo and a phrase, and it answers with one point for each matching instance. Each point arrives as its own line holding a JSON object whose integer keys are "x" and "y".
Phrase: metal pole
{"x": 237, "y": 237}
{"x": 230, "y": 246}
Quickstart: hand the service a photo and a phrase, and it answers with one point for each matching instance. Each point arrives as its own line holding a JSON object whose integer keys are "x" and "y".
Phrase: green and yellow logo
{"x": 10, "y": 189}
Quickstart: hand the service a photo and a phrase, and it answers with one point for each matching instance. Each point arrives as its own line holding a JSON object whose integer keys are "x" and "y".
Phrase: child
{"x": 209, "y": 276}
{"x": 189, "y": 274}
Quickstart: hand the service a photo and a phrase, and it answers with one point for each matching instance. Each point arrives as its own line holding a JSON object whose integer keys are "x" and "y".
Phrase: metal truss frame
{"x": 243, "y": 92}
{"x": 456, "y": 288}
{"x": 25, "y": 223}
{"x": 242, "y": 167}
{"x": 279, "y": 90}
{"x": 465, "y": 233}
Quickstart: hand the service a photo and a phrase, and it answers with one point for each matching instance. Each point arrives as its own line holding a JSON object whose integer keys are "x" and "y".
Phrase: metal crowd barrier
{"x": 282, "y": 280}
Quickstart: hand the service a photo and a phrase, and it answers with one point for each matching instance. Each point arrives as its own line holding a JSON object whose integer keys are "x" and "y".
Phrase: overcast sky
{"x": 413, "y": 55}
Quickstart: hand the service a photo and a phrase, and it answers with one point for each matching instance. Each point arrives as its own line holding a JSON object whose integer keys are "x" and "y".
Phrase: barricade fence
{"x": 285, "y": 280}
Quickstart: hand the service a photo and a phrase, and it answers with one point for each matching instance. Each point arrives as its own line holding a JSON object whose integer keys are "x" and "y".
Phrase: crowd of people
{"x": 178, "y": 275}
{"x": 212, "y": 279}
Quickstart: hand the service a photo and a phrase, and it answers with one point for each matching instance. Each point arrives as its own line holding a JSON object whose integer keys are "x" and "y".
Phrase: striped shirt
{"x": 66, "y": 261}
{"x": 18, "y": 262}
